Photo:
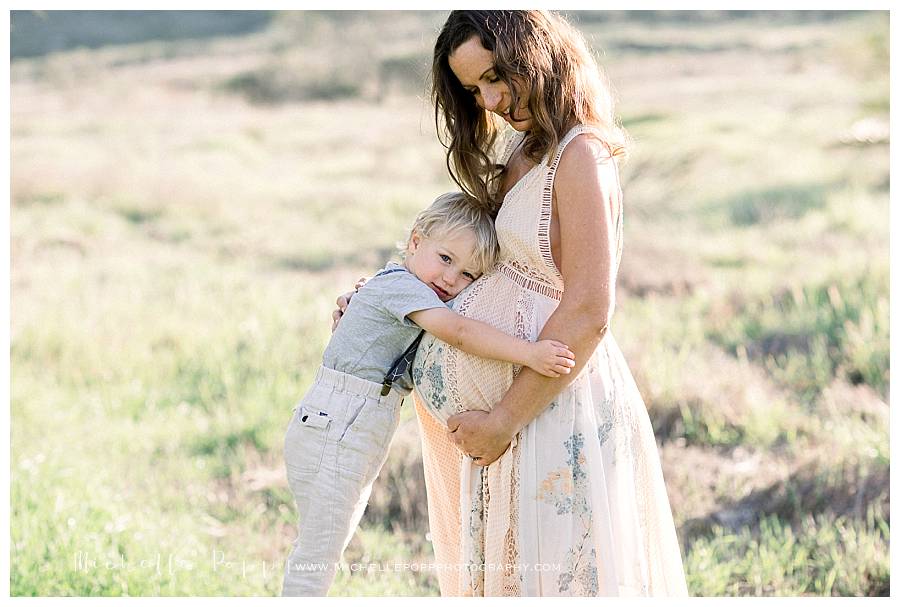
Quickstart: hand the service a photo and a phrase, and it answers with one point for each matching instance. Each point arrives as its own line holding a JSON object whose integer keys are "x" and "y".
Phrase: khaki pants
{"x": 336, "y": 443}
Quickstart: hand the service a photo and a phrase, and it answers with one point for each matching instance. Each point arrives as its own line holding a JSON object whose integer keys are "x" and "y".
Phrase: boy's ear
{"x": 414, "y": 241}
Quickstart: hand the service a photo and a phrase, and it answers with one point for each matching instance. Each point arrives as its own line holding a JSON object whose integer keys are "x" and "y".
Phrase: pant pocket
{"x": 366, "y": 440}
{"x": 304, "y": 443}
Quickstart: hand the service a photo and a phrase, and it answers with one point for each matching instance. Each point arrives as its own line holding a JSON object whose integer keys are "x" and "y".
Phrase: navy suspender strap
{"x": 391, "y": 271}
{"x": 402, "y": 364}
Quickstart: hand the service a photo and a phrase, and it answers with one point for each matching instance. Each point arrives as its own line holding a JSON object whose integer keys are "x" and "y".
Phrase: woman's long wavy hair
{"x": 558, "y": 75}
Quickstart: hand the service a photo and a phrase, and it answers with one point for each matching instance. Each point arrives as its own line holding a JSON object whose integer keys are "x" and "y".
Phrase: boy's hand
{"x": 550, "y": 357}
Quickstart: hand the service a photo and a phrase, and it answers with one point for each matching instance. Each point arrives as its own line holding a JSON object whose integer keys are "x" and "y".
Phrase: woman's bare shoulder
{"x": 586, "y": 161}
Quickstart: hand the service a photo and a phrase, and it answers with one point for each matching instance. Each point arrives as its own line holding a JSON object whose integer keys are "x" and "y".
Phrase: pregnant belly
{"x": 449, "y": 380}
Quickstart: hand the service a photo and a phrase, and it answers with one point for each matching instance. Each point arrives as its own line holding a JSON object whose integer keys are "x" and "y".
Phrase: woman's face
{"x": 473, "y": 66}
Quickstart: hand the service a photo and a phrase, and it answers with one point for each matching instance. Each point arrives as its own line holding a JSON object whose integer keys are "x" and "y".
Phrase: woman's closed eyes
{"x": 492, "y": 79}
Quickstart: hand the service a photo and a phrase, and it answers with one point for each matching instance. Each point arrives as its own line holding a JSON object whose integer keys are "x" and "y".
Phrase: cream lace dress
{"x": 577, "y": 506}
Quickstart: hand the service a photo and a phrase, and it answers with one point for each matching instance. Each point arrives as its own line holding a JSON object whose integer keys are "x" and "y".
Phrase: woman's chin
{"x": 519, "y": 125}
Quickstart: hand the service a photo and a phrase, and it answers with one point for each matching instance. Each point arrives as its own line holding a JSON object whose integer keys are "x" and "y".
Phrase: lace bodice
{"x": 523, "y": 222}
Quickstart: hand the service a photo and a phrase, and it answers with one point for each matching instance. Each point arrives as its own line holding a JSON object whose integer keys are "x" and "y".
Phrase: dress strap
{"x": 512, "y": 143}
{"x": 574, "y": 132}
{"x": 547, "y": 194}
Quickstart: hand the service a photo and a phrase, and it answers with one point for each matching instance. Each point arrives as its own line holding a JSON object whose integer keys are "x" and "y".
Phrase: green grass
{"x": 382, "y": 563}
{"x": 808, "y": 335}
{"x": 774, "y": 203}
{"x": 826, "y": 556}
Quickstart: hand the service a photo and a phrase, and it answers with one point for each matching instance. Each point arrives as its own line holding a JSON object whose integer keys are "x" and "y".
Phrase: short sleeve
{"x": 401, "y": 293}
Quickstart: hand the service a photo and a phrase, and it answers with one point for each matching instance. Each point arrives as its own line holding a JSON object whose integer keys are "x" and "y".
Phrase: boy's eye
{"x": 445, "y": 258}
{"x": 469, "y": 276}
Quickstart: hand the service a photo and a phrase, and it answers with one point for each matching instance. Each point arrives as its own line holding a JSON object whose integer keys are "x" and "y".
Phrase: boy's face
{"x": 445, "y": 263}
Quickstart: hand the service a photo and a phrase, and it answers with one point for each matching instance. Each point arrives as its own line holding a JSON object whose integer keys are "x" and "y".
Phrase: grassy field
{"x": 185, "y": 212}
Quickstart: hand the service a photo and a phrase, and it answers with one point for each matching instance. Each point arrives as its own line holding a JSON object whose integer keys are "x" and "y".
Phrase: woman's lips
{"x": 507, "y": 117}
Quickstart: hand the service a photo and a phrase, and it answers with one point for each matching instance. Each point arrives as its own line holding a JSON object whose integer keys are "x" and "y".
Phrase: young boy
{"x": 338, "y": 438}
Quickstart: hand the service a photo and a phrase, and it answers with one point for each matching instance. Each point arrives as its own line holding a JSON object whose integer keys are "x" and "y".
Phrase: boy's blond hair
{"x": 456, "y": 211}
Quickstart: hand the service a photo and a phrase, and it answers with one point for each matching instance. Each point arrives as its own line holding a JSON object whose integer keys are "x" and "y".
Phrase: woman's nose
{"x": 491, "y": 98}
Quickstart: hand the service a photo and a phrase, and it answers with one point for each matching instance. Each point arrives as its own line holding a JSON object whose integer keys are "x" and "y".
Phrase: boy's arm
{"x": 481, "y": 339}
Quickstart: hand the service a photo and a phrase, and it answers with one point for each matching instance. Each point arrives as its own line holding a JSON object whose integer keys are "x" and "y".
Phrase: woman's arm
{"x": 549, "y": 358}
{"x": 586, "y": 197}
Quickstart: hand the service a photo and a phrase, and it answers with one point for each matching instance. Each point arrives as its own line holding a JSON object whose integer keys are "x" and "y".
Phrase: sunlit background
{"x": 191, "y": 191}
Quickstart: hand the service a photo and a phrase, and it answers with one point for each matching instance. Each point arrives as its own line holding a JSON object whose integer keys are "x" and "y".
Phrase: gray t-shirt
{"x": 374, "y": 330}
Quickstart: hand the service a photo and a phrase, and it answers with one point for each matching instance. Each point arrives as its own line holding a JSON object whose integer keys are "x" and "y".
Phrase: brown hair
{"x": 562, "y": 83}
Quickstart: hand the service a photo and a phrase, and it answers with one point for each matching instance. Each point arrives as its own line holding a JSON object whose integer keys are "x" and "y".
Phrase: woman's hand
{"x": 343, "y": 301}
{"x": 550, "y": 357}
{"x": 480, "y": 435}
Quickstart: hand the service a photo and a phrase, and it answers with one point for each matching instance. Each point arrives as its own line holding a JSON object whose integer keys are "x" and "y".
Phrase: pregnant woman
{"x": 539, "y": 486}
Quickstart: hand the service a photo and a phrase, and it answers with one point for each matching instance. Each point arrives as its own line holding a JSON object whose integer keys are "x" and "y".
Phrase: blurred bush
{"x": 271, "y": 85}
{"x": 34, "y": 33}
